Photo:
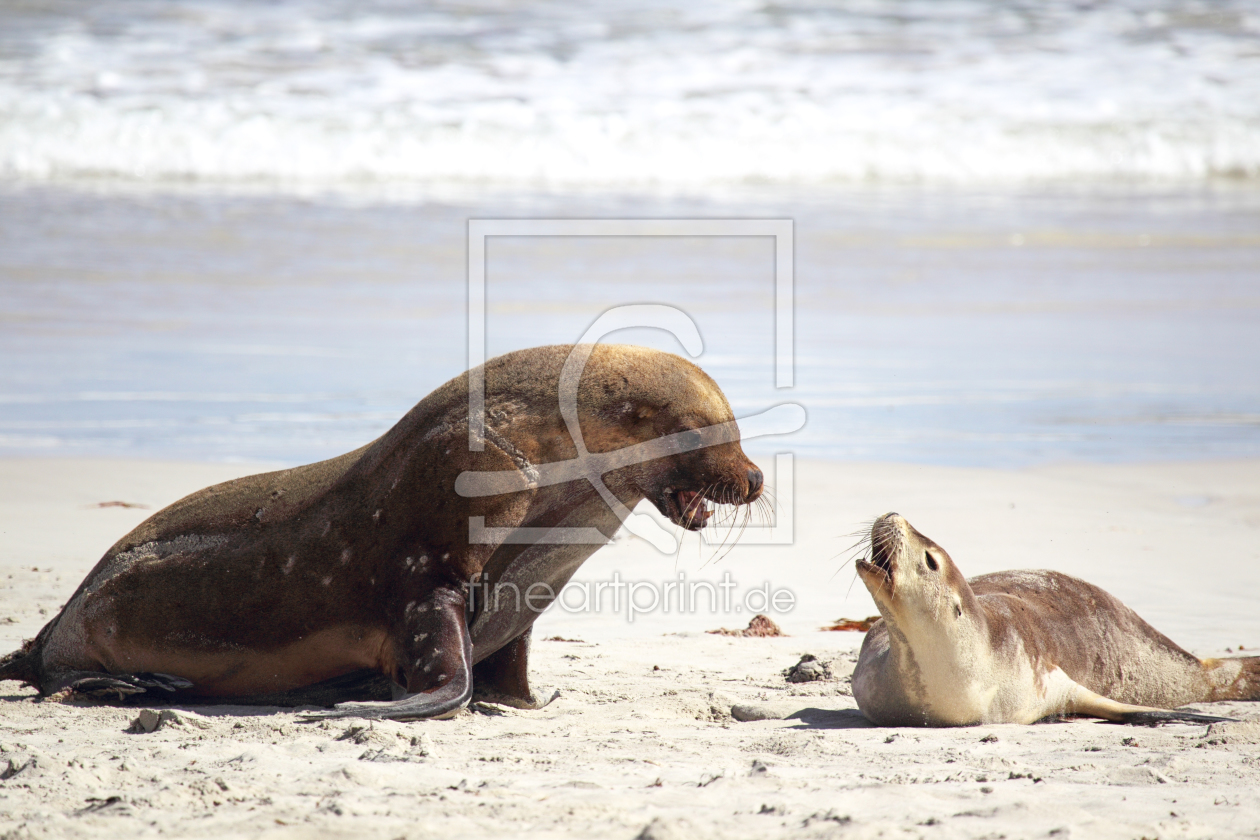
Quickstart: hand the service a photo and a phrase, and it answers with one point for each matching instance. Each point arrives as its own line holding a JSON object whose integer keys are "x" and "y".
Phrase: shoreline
{"x": 957, "y": 328}
{"x": 524, "y": 196}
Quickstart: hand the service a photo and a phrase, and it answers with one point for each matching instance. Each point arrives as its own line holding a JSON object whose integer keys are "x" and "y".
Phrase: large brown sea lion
{"x": 368, "y": 576}
{"x": 1016, "y": 647}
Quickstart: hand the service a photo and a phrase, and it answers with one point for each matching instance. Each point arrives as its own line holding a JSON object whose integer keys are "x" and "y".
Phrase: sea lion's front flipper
{"x": 435, "y": 661}
{"x": 1087, "y": 703}
{"x": 503, "y": 677}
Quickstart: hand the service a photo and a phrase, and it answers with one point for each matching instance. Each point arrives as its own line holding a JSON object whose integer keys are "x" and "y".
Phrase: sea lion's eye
{"x": 931, "y": 562}
{"x": 690, "y": 439}
{"x": 957, "y": 610}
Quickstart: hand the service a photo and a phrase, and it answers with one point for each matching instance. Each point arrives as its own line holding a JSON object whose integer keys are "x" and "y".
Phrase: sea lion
{"x": 1016, "y": 647}
{"x": 358, "y": 577}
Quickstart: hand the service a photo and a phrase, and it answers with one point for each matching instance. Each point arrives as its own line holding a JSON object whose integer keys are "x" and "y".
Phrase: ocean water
{"x": 983, "y": 329}
{"x": 643, "y": 95}
{"x": 1024, "y": 231}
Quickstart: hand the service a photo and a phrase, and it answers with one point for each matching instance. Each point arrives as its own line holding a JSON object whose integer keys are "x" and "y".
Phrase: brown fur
{"x": 1101, "y": 643}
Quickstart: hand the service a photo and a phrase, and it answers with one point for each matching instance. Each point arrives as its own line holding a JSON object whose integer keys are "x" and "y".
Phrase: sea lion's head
{"x": 913, "y": 580}
{"x": 689, "y": 449}
{"x": 652, "y": 426}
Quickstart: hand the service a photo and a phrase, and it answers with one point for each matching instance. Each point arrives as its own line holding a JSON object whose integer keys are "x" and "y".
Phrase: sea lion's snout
{"x": 756, "y": 483}
{"x": 745, "y": 483}
{"x": 887, "y": 537}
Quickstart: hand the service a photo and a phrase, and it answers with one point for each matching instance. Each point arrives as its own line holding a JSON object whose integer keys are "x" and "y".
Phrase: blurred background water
{"x": 1026, "y": 232}
{"x": 610, "y": 94}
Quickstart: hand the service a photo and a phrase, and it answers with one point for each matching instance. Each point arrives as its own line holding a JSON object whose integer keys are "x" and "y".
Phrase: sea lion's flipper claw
{"x": 493, "y": 697}
{"x": 533, "y": 703}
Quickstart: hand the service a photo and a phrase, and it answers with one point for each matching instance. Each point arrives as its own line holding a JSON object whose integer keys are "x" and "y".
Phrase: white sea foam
{"x": 629, "y": 94}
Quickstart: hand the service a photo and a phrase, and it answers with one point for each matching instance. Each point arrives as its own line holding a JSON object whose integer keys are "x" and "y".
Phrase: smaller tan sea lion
{"x": 1017, "y": 647}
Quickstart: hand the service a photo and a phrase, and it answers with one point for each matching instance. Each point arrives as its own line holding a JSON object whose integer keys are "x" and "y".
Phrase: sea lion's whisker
{"x": 736, "y": 515}
{"x": 717, "y": 492}
{"x": 743, "y": 523}
{"x": 849, "y": 591}
{"x": 851, "y": 551}
{"x": 764, "y": 509}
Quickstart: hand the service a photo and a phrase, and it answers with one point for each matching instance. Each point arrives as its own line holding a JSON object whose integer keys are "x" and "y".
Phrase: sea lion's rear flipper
{"x": 1160, "y": 716}
{"x": 434, "y": 661}
{"x": 113, "y": 687}
{"x": 1087, "y": 703}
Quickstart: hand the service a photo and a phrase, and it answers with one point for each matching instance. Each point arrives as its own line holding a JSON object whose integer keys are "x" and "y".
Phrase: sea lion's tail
{"x": 23, "y": 664}
{"x": 1236, "y": 678}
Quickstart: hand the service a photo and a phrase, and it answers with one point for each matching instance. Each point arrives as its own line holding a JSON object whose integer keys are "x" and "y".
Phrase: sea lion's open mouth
{"x": 684, "y": 507}
{"x": 881, "y": 559}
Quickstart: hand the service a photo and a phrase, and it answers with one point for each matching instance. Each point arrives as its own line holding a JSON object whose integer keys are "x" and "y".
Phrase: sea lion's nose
{"x": 755, "y": 480}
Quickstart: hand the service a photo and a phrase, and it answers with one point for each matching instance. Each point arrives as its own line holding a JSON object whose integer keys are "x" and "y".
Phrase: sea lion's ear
{"x": 645, "y": 411}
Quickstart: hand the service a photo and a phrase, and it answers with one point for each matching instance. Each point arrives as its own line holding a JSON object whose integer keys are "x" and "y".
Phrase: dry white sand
{"x": 640, "y": 741}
